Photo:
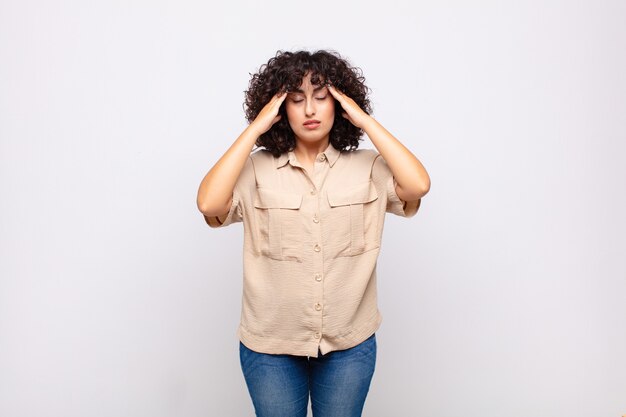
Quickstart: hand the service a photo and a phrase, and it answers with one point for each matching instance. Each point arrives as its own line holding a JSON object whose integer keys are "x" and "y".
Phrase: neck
{"x": 307, "y": 152}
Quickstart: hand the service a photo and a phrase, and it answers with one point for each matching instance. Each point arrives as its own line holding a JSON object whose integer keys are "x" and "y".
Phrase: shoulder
{"x": 365, "y": 153}
{"x": 363, "y": 156}
{"x": 262, "y": 159}
{"x": 261, "y": 153}
{"x": 261, "y": 156}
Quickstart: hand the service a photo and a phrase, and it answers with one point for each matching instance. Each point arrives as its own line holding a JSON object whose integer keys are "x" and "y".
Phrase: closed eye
{"x": 322, "y": 98}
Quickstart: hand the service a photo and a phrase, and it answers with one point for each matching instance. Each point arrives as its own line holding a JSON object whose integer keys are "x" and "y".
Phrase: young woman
{"x": 312, "y": 207}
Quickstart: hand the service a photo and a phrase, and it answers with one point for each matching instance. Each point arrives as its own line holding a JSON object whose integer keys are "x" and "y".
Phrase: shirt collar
{"x": 331, "y": 154}
{"x": 283, "y": 159}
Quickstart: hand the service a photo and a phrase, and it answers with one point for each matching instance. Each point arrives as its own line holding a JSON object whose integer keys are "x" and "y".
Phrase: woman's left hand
{"x": 351, "y": 110}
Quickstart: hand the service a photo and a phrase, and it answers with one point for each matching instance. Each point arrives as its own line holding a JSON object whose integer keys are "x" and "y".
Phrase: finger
{"x": 279, "y": 98}
{"x": 277, "y": 118}
{"x": 275, "y": 102}
{"x": 335, "y": 93}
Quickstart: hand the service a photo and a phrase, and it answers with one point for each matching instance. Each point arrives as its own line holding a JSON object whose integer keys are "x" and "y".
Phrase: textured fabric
{"x": 310, "y": 248}
{"x": 338, "y": 382}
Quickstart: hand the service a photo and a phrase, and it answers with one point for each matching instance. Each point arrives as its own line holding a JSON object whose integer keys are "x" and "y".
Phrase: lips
{"x": 311, "y": 122}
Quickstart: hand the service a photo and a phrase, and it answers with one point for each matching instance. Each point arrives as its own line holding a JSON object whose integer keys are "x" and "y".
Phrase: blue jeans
{"x": 338, "y": 382}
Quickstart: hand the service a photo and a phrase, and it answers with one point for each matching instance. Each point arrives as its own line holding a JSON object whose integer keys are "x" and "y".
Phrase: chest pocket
{"x": 354, "y": 219}
{"x": 278, "y": 221}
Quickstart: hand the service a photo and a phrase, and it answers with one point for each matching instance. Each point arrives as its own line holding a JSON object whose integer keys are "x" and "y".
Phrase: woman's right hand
{"x": 216, "y": 189}
{"x": 269, "y": 114}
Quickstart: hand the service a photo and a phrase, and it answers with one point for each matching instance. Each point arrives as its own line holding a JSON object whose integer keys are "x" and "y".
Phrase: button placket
{"x": 318, "y": 258}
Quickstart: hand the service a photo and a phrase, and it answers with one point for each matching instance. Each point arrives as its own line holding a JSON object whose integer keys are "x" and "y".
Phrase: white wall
{"x": 505, "y": 295}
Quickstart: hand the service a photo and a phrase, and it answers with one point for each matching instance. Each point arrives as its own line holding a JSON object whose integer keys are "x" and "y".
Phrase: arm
{"x": 216, "y": 189}
{"x": 413, "y": 182}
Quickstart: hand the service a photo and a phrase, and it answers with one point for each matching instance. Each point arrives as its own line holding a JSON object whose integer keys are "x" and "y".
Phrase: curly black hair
{"x": 285, "y": 72}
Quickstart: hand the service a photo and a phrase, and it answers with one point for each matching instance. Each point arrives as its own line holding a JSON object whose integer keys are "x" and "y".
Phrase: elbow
{"x": 414, "y": 193}
{"x": 211, "y": 209}
{"x": 419, "y": 190}
{"x": 207, "y": 209}
{"x": 425, "y": 187}
{"x": 203, "y": 207}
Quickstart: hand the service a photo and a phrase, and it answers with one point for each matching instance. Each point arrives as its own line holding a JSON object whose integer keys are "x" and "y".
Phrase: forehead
{"x": 306, "y": 85}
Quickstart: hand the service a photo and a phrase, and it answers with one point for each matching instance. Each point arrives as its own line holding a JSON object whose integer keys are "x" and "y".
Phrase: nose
{"x": 310, "y": 108}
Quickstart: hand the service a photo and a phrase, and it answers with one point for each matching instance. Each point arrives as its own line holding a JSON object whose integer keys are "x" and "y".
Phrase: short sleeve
{"x": 245, "y": 182}
{"x": 381, "y": 174}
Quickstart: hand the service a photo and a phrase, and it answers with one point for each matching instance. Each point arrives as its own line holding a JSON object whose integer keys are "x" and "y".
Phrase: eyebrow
{"x": 316, "y": 89}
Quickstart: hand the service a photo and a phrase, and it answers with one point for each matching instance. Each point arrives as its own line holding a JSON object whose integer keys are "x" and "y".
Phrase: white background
{"x": 505, "y": 295}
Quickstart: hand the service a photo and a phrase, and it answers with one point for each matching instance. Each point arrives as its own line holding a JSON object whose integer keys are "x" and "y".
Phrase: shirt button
{"x": 322, "y": 158}
{"x": 318, "y": 306}
{"x": 318, "y": 277}
{"x": 318, "y": 335}
{"x": 317, "y": 248}
{"x": 316, "y": 219}
{"x": 313, "y": 192}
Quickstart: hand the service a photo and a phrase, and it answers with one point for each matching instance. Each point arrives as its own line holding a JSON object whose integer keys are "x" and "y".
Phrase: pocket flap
{"x": 358, "y": 194}
{"x": 266, "y": 199}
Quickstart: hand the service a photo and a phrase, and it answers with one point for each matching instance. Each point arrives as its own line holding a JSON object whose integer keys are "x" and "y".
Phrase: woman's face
{"x": 310, "y": 111}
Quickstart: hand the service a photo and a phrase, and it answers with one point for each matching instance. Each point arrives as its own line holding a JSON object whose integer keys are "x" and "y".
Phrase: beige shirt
{"x": 310, "y": 248}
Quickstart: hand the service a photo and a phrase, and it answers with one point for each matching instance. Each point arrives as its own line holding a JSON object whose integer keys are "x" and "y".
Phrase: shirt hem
{"x": 311, "y": 348}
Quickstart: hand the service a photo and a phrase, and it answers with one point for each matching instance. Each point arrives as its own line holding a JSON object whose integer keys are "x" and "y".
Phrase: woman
{"x": 313, "y": 207}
